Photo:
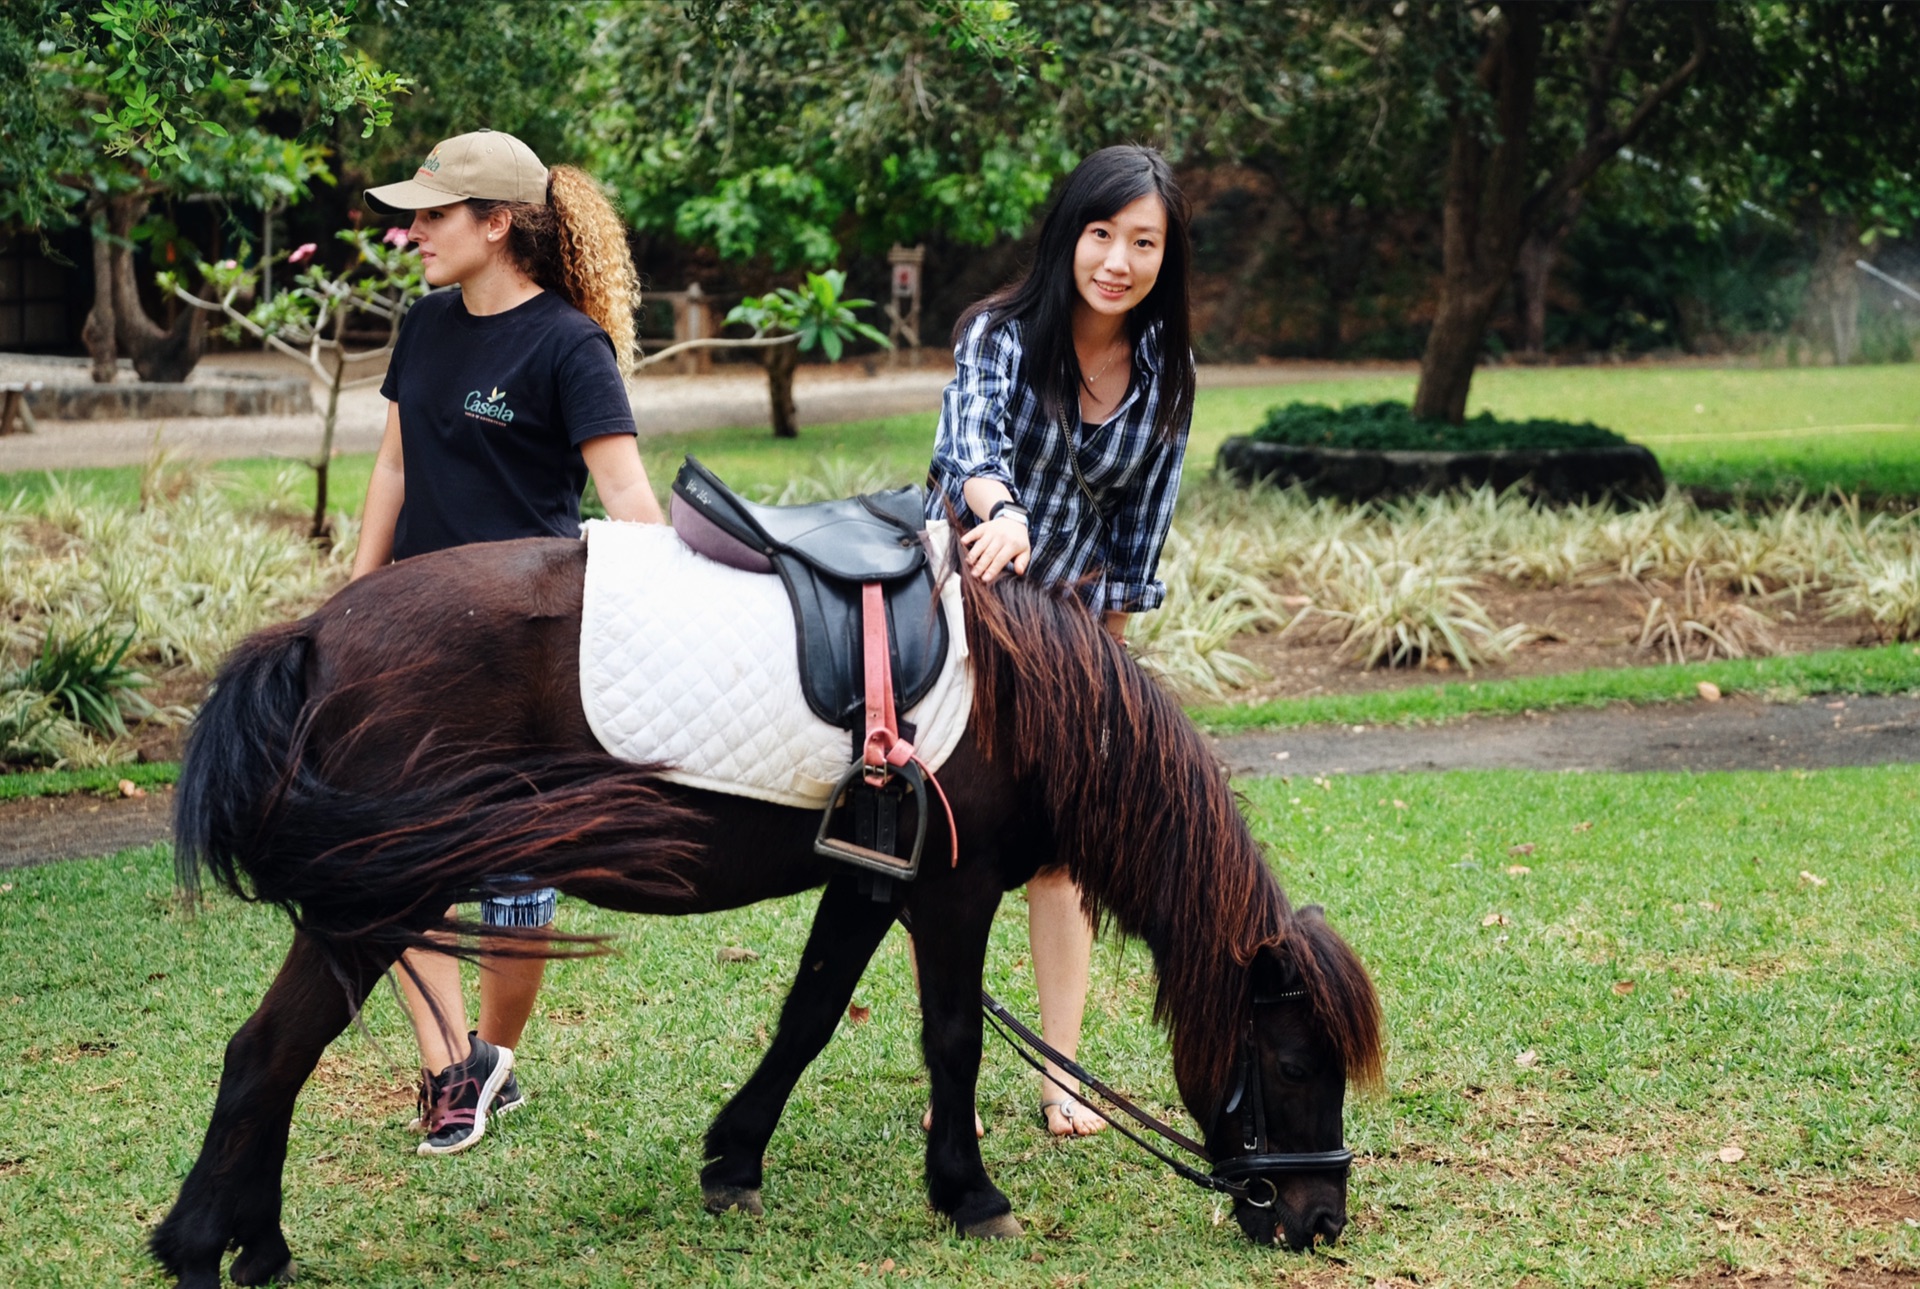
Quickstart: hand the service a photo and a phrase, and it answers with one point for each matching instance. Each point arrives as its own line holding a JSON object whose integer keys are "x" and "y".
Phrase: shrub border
{"x": 1359, "y": 474}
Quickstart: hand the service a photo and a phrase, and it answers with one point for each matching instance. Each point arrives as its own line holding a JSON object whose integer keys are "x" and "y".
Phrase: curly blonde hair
{"x": 576, "y": 245}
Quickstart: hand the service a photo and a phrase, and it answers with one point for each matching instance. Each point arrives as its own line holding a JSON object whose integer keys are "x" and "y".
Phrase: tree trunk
{"x": 1482, "y": 222}
{"x": 1533, "y": 272}
{"x": 99, "y": 330}
{"x": 165, "y": 354}
{"x": 320, "y": 532}
{"x": 1836, "y": 286}
{"x": 781, "y": 361}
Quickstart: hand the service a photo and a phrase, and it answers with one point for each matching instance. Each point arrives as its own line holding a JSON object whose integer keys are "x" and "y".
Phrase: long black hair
{"x": 1043, "y": 300}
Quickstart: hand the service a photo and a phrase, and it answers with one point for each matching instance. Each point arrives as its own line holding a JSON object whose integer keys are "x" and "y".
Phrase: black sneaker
{"x": 455, "y": 1102}
{"x": 510, "y": 1096}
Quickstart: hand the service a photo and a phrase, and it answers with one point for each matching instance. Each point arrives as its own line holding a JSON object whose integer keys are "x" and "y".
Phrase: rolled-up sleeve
{"x": 974, "y": 438}
{"x": 1137, "y": 530}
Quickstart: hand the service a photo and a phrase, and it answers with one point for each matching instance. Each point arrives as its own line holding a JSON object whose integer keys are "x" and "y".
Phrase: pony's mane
{"x": 1144, "y": 819}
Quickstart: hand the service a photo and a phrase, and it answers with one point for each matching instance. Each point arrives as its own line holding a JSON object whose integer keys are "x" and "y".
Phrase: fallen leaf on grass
{"x": 1585, "y": 825}
{"x": 5, "y": 887}
{"x": 1524, "y": 848}
{"x": 886, "y": 1266}
{"x": 1812, "y": 879}
{"x": 731, "y": 953}
{"x": 1518, "y": 870}
{"x": 1623, "y": 987}
{"x": 1495, "y": 919}
{"x": 1398, "y": 804}
{"x": 1724, "y": 1227}
{"x": 1731, "y": 1154}
{"x": 857, "y": 1015}
{"x": 1527, "y": 1059}
{"x": 1709, "y": 691}
{"x": 128, "y": 788}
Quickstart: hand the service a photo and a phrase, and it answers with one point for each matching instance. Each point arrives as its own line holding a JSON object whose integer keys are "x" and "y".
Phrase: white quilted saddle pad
{"x": 695, "y": 665}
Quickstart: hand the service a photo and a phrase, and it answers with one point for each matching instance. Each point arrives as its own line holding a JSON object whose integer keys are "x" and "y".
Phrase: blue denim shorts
{"x": 519, "y": 904}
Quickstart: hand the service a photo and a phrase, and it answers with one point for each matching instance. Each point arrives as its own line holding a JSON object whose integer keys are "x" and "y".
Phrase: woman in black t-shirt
{"x": 506, "y": 395}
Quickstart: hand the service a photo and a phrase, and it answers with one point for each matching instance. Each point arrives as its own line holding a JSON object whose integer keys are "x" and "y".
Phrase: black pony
{"x": 422, "y": 732}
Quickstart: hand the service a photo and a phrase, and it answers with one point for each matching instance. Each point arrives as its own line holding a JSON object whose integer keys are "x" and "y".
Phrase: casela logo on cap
{"x": 432, "y": 164}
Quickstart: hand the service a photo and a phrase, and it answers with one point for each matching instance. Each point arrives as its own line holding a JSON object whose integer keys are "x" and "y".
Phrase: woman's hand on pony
{"x": 994, "y": 545}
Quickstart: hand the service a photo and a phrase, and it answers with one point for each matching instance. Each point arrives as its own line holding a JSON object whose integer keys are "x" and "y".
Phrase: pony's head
{"x": 1313, "y": 1025}
{"x": 1269, "y": 1012}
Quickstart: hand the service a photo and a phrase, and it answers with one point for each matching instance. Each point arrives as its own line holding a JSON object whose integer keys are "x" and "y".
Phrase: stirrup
{"x": 870, "y": 857}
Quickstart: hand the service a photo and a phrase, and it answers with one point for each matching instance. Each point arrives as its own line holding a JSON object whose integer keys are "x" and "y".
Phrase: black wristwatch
{"x": 1007, "y": 506}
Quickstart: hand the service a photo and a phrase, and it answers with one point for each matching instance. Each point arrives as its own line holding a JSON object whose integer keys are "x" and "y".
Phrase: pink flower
{"x": 395, "y": 237}
{"x": 227, "y": 264}
{"x": 304, "y": 251}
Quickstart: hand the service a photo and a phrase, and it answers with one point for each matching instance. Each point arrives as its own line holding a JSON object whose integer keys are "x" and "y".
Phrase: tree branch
{"x": 1601, "y": 146}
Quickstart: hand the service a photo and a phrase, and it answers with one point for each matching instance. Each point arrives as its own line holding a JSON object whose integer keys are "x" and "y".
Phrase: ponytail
{"x": 576, "y": 245}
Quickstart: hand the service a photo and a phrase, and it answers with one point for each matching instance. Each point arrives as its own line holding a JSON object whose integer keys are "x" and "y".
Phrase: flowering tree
{"x": 308, "y": 320}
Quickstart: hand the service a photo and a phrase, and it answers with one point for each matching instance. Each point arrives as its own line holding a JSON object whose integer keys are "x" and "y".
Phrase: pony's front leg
{"x": 950, "y": 925}
{"x": 847, "y": 928}
{"x": 232, "y": 1196}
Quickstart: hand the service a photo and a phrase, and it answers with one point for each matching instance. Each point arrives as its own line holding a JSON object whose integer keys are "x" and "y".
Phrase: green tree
{"x": 1833, "y": 139}
{"x": 110, "y": 105}
{"x": 1505, "y": 179}
{"x": 818, "y": 315}
{"x": 775, "y": 133}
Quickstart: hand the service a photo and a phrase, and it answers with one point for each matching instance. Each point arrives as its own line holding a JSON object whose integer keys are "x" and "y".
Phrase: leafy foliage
{"x": 771, "y": 131}
{"x": 817, "y": 313}
{"x": 85, "y": 676}
{"x": 1390, "y": 426}
{"x": 155, "y": 94}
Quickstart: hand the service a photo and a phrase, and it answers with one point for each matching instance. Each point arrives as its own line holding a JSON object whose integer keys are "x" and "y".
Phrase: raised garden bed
{"x": 1379, "y": 450}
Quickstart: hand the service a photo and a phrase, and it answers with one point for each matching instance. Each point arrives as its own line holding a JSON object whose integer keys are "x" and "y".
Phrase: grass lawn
{"x": 1682, "y": 1043}
{"x": 1891, "y": 669}
{"x": 1727, "y": 429}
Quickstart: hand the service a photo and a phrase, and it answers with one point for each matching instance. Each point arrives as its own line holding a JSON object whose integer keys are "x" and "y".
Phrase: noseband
{"x": 1240, "y": 1176}
{"x": 1259, "y": 1163}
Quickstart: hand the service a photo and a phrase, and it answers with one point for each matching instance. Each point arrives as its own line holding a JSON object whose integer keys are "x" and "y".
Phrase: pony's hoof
{"x": 1004, "y": 1227}
{"x": 724, "y": 1199}
{"x": 267, "y": 1261}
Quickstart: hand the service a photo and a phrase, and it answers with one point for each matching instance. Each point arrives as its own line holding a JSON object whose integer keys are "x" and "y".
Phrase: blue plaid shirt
{"x": 992, "y": 426}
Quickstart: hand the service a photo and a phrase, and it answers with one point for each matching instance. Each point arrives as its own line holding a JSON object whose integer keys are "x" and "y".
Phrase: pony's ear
{"x": 1313, "y": 911}
{"x": 1274, "y": 973}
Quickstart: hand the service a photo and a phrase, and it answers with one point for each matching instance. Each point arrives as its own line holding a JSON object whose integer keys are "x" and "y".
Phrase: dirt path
{"x": 735, "y": 395}
{"x": 1738, "y": 734}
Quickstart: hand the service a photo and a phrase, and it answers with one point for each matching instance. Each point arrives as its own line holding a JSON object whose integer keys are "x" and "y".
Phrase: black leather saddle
{"x": 838, "y": 560}
{"x": 824, "y": 553}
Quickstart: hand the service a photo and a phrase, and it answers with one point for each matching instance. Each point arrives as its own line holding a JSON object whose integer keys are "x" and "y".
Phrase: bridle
{"x": 1240, "y": 1176}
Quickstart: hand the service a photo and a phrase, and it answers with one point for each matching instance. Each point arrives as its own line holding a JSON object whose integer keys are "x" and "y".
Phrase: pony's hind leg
{"x": 232, "y": 1195}
{"x": 847, "y": 928}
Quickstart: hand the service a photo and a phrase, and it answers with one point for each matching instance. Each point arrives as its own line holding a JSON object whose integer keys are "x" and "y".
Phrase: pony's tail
{"x": 239, "y": 752}
{"x": 378, "y": 869}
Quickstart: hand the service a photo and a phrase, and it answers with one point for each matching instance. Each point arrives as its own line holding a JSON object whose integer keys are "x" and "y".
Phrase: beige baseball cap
{"x": 485, "y": 163}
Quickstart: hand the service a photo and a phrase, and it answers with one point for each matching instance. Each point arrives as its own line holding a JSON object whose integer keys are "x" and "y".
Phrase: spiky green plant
{"x": 1885, "y": 589}
{"x": 1400, "y": 613}
{"x": 85, "y": 675}
{"x": 1697, "y": 620}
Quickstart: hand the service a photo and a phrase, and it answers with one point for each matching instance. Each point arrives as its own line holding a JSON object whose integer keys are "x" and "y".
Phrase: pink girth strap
{"x": 884, "y": 749}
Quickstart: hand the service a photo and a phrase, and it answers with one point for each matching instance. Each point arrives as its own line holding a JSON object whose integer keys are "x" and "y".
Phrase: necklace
{"x": 1090, "y": 381}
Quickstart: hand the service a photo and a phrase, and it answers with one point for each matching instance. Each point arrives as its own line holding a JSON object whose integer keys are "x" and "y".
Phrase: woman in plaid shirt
{"x": 1059, "y": 450}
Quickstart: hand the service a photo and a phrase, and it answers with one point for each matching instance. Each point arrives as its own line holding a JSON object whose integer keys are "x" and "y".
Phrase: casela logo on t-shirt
{"x": 491, "y": 406}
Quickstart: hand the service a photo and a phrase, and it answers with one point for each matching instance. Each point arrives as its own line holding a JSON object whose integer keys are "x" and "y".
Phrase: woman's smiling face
{"x": 1117, "y": 260}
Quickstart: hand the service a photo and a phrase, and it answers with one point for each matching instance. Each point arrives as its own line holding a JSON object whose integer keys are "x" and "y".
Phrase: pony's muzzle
{"x": 1296, "y": 1211}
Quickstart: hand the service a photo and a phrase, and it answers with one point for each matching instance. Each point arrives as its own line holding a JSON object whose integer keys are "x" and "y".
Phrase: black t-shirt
{"x": 493, "y": 411}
